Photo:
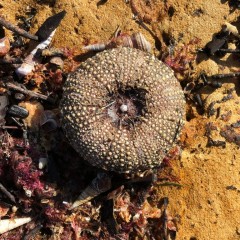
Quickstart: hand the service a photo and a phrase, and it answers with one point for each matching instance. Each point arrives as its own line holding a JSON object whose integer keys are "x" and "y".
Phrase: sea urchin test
{"x": 122, "y": 110}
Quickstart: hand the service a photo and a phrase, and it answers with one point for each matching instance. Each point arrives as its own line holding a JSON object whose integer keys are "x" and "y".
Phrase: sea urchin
{"x": 122, "y": 110}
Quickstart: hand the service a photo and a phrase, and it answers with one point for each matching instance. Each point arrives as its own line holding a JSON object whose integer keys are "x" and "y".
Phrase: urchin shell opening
{"x": 127, "y": 106}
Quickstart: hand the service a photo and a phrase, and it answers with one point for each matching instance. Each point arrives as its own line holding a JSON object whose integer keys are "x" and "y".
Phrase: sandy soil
{"x": 207, "y": 204}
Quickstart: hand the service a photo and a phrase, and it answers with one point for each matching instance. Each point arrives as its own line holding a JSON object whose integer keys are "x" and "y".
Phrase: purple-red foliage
{"x": 54, "y": 215}
{"x": 174, "y": 153}
{"x": 67, "y": 233}
{"x": 55, "y": 79}
{"x": 182, "y": 57}
{"x": 25, "y": 173}
{"x": 5, "y": 152}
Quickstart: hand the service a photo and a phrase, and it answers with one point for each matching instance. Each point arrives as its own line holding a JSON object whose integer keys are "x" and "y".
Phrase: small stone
{"x": 3, "y": 106}
{"x": 57, "y": 61}
{"x": 4, "y": 46}
{"x": 18, "y": 111}
{"x": 28, "y": 193}
{"x": 42, "y": 162}
{"x": 19, "y": 96}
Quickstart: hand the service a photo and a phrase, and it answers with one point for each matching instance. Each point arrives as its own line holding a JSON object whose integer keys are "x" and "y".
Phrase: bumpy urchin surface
{"x": 122, "y": 110}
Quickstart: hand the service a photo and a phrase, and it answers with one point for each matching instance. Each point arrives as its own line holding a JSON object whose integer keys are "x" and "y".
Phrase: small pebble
{"x": 17, "y": 111}
{"x": 3, "y": 105}
{"x": 42, "y": 162}
{"x": 19, "y": 96}
{"x": 28, "y": 193}
{"x": 57, "y": 61}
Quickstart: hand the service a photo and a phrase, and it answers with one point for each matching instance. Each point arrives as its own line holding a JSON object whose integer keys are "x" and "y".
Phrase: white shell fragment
{"x": 28, "y": 192}
{"x": 9, "y": 224}
{"x": 136, "y": 40}
{"x": 30, "y": 61}
{"x": 232, "y": 29}
{"x": 140, "y": 42}
{"x": 100, "y": 184}
{"x": 95, "y": 47}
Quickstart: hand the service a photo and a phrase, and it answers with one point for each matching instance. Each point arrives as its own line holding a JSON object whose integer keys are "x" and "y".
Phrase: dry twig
{"x": 28, "y": 92}
{"x": 17, "y": 30}
{"x": 7, "y": 193}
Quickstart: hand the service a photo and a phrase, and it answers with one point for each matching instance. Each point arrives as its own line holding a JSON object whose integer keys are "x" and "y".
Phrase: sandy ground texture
{"x": 207, "y": 204}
